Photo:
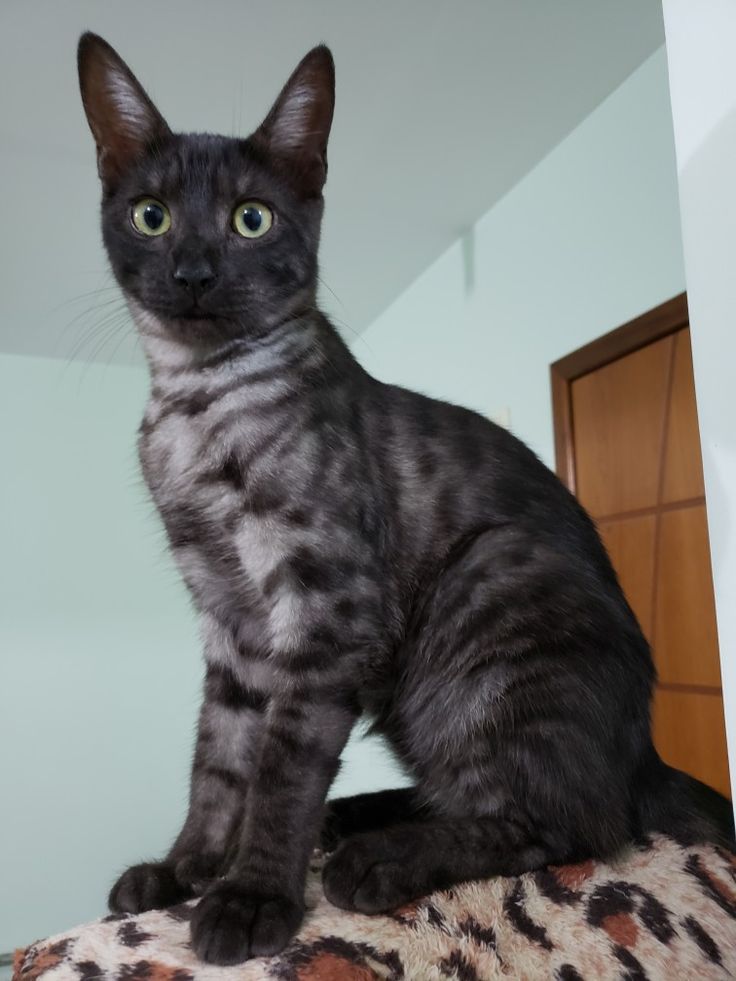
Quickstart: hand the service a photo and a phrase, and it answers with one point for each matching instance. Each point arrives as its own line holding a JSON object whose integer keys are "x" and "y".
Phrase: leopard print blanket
{"x": 660, "y": 911}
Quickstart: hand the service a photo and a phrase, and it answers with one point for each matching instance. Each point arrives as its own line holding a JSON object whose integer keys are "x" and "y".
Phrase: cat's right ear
{"x": 124, "y": 121}
{"x": 296, "y": 130}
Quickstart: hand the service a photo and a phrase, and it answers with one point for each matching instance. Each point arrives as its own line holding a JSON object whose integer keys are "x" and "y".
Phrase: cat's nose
{"x": 195, "y": 275}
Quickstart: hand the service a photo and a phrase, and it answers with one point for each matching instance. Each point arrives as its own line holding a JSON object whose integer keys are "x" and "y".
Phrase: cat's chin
{"x": 201, "y": 333}
{"x": 192, "y": 329}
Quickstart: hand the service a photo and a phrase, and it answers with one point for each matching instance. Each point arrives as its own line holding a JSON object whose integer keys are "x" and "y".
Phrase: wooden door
{"x": 628, "y": 445}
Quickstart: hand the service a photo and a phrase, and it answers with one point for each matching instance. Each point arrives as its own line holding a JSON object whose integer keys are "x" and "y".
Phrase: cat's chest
{"x": 184, "y": 471}
{"x": 177, "y": 455}
{"x": 224, "y": 546}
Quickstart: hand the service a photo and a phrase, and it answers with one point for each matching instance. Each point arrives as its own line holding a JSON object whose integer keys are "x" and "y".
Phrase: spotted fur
{"x": 353, "y": 548}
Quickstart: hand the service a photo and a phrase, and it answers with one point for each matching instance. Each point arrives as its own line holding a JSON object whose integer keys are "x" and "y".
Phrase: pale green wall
{"x": 586, "y": 241}
{"x": 99, "y": 656}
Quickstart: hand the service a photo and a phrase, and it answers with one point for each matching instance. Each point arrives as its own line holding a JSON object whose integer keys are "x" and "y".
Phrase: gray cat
{"x": 353, "y": 548}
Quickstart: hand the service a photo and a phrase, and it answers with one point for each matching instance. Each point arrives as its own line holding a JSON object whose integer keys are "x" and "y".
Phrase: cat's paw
{"x": 231, "y": 924}
{"x": 366, "y": 875}
{"x": 197, "y": 871}
{"x": 151, "y": 885}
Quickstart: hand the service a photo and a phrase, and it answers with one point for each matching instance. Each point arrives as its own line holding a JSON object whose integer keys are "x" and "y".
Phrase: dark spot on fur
{"x": 655, "y": 916}
{"x": 513, "y": 906}
{"x": 224, "y": 688}
{"x": 608, "y": 900}
{"x": 550, "y": 886}
{"x": 298, "y": 517}
{"x": 703, "y": 939}
{"x": 566, "y": 972}
{"x": 456, "y": 966}
{"x": 261, "y": 500}
{"x": 307, "y": 660}
{"x": 324, "y": 637}
{"x": 197, "y": 403}
{"x": 130, "y": 935}
{"x": 231, "y": 473}
{"x": 485, "y": 936}
{"x": 346, "y": 608}
{"x": 88, "y": 970}
{"x": 232, "y": 780}
{"x": 309, "y": 571}
{"x": 635, "y": 972}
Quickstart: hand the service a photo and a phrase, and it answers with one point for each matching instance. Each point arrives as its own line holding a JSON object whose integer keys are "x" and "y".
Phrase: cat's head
{"x": 210, "y": 237}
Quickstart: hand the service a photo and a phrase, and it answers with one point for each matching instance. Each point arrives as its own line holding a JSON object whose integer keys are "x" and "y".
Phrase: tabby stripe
{"x": 232, "y": 780}
{"x": 226, "y": 690}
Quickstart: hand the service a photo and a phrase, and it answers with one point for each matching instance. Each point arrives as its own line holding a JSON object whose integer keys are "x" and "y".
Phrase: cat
{"x": 353, "y": 549}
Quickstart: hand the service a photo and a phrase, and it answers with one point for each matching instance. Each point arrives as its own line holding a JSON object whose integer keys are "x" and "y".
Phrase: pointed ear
{"x": 295, "y": 131}
{"x": 123, "y": 120}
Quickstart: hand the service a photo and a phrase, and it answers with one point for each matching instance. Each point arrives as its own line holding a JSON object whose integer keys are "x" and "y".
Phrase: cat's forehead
{"x": 204, "y": 166}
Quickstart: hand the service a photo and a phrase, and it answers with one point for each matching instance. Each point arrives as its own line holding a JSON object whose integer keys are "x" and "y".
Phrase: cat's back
{"x": 468, "y": 471}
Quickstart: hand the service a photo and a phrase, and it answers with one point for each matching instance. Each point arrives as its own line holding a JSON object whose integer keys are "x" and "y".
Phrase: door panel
{"x": 618, "y": 414}
{"x": 632, "y": 433}
{"x": 630, "y": 543}
{"x": 685, "y": 615}
{"x": 690, "y": 733}
{"x": 683, "y": 475}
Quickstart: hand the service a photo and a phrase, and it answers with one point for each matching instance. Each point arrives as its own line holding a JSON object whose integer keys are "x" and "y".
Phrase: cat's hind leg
{"x": 345, "y": 816}
{"x": 522, "y": 708}
{"x": 381, "y": 870}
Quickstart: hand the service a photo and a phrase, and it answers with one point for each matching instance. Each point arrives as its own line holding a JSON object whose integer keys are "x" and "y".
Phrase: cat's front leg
{"x": 259, "y": 905}
{"x": 230, "y": 723}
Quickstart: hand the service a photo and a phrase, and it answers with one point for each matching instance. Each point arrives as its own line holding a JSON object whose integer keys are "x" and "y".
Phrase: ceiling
{"x": 441, "y": 108}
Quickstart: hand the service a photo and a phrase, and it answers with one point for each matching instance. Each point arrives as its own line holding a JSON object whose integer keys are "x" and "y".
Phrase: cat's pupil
{"x": 153, "y": 216}
{"x": 252, "y": 219}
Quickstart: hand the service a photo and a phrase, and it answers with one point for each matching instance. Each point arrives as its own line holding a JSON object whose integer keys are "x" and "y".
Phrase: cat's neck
{"x": 299, "y": 344}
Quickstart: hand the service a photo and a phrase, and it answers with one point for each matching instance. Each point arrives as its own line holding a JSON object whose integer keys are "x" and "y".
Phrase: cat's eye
{"x": 150, "y": 217}
{"x": 251, "y": 219}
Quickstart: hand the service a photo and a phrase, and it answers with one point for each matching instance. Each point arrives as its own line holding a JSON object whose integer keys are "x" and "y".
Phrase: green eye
{"x": 150, "y": 217}
{"x": 251, "y": 219}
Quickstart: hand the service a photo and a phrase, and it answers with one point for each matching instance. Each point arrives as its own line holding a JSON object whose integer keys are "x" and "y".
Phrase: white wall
{"x": 701, "y": 40}
{"x": 586, "y": 241}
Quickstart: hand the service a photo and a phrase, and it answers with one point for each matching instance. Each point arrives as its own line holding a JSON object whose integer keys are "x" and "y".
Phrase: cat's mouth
{"x": 187, "y": 321}
{"x": 190, "y": 312}
{"x": 196, "y": 313}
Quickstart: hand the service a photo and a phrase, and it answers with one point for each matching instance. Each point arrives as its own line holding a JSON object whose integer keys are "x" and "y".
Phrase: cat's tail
{"x": 673, "y": 803}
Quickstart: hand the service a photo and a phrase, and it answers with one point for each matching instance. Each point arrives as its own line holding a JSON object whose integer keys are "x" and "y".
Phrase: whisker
{"x": 83, "y": 296}
{"x": 91, "y": 335}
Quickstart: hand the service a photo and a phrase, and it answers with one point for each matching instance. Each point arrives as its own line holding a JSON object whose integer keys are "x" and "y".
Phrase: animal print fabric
{"x": 660, "y": 911}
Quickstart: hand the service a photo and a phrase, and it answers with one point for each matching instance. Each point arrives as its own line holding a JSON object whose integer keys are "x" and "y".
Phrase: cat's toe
{"x": 231, "y": 924}
{"x": 361, "y": 877}
{"x": 382, "y": 889}
{"x": 151, "y": 885}
{"x": 196, "y": 871}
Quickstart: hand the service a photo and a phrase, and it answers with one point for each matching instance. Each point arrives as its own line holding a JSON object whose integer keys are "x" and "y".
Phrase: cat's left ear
{"x": 124, "y": 121}
{"x": 296, "y": 130}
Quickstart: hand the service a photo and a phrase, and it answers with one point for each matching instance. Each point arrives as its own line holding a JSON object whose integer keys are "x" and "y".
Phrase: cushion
{"x": 659, "y": 911}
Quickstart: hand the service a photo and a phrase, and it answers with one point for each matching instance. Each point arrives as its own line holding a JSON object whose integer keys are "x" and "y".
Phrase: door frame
{"x": 665, "y": 319}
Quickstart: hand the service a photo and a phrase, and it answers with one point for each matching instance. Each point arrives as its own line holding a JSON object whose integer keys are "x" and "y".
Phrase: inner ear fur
{"x": 124, "y": 121}
{"x": 296, "y": 130}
